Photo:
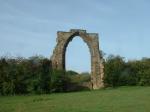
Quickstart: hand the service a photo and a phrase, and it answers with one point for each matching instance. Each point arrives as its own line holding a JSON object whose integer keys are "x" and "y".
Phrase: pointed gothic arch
{"x": 92, "y": 41}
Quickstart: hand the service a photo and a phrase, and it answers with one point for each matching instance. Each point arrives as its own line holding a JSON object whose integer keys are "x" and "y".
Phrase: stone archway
{"x": 91, "y": 39}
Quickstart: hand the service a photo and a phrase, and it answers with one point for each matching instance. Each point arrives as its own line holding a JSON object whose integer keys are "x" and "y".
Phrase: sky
{"x": 29, "y": 27}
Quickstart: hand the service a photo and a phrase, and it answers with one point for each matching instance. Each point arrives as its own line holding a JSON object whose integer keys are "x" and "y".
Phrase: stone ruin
{"x": 92, "y": 41}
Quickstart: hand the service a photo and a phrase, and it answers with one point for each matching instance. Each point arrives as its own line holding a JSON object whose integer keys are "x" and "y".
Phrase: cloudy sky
{"x": 28, "y": 27}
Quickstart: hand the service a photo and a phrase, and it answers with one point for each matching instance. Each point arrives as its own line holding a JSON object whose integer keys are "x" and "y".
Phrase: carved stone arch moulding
{"x": 92, "y": 41}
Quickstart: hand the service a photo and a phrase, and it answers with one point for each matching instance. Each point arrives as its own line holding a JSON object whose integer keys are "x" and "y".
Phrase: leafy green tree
{"x": 45, "y": 77}
{"x": 59, "y": 81}
{"x": 113, "y": 68}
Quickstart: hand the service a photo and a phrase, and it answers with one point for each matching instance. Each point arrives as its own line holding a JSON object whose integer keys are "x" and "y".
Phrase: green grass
{"x": 123, "y": 99}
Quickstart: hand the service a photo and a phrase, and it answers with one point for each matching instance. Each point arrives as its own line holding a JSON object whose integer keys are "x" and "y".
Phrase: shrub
{"x": 59, "y": 81}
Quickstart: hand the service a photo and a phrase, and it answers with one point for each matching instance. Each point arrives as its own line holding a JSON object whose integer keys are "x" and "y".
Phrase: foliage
{"x": 120, "y": 73}
{"x": 113, "y": 69}
{"x": 32, "y": 75}
{"x": 59, "y": 81}
{"x": 35, "y": 75}
{"x": 70, "y": 73}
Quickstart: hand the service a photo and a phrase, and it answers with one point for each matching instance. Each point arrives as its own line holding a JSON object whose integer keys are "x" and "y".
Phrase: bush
{"x": 32, "y": 75}
{"x": 59, "y": 81}
{"x": 35, "y": 75}
{"x": 113, "y": 69}
{"x": 121, "y": 73}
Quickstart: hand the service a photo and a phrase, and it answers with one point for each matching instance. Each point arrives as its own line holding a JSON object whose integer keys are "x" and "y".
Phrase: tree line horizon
{"x": 34, "y": 75}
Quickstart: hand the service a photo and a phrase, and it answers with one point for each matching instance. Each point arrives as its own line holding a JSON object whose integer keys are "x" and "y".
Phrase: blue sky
{"x": 28, "y": 27}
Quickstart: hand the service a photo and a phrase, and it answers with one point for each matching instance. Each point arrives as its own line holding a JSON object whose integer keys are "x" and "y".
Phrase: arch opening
{"x": 77, "y": 56}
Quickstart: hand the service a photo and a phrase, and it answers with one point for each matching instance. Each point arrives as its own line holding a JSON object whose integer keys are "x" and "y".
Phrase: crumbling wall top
{"x": 78, "y": 30}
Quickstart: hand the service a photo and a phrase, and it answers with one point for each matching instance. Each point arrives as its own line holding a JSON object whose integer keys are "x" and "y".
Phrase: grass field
{"x": 123, "y": 99}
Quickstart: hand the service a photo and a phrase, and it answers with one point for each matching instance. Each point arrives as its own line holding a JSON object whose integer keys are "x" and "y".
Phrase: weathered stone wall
{"x": 92, "y": 41}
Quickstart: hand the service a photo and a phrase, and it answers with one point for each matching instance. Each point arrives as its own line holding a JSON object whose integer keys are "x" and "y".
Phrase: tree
{"x": 114, "y": 66}
{"x": 45, "y": 77}
{"x": 59, "y": 81}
